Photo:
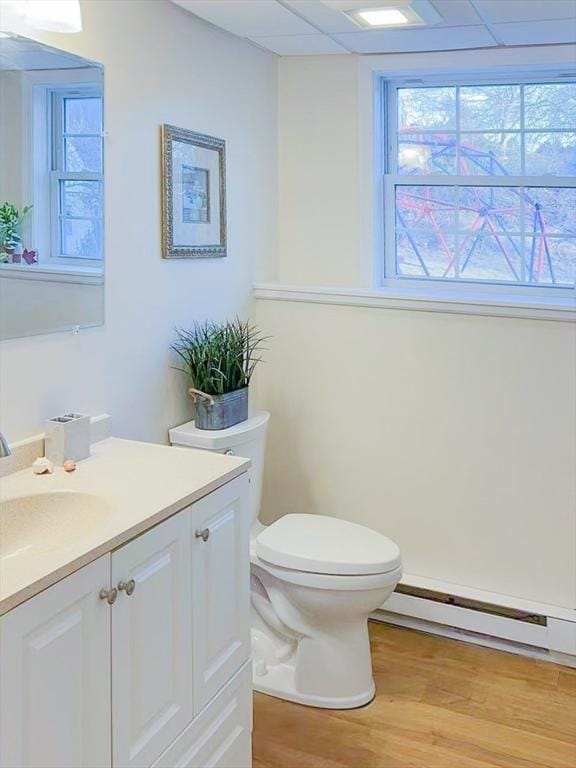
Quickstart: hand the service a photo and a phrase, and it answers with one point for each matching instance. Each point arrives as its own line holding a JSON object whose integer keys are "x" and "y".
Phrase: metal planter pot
{"x": 220, "y": 411}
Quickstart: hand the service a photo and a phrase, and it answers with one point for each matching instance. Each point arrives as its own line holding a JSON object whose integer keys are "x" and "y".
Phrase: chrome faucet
{"x": 4, "y": 447}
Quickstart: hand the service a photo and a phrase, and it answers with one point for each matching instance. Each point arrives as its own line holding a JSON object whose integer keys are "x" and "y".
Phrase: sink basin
{"x": 45, "y": 521}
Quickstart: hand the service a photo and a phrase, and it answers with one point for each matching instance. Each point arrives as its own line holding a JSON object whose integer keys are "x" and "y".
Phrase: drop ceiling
{"x": 311, "y": 27}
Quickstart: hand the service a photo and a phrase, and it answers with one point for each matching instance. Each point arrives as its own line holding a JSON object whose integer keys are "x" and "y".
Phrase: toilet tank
{"x": 247, "y": 439}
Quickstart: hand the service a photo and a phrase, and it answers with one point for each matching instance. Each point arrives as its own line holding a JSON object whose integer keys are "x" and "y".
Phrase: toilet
{"x": 315, "y": 580}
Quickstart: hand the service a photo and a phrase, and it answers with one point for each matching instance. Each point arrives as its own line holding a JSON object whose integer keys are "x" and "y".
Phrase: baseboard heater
{"x": 472, "y": 605}
{"x": 483, "y": 621}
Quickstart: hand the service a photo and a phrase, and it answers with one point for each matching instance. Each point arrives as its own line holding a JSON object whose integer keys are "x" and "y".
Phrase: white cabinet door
{"x": 55, "y": 676}
{"x": 220, "y": 588}
{"x": 221, "y": 735}
{"x": 152, "y": 643}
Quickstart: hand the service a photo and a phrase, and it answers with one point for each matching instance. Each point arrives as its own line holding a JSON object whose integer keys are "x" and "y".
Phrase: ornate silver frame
{"x": 171, "y": 133}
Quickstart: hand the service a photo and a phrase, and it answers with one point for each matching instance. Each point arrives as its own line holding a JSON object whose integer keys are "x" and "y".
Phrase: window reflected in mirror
{"x": 51, "y": 190}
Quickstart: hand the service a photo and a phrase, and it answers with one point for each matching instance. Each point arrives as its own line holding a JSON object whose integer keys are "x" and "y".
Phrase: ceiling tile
{"x": 249, "y": 18}
{"x": 456, "y": 12}
{"x": 299, "y": 45}
{"x": 499, "y": 11}
{"x": 537, "y": 32}
{"x": 410, "y": 40}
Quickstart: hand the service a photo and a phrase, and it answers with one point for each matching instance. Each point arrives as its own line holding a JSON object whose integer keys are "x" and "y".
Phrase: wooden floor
{"x": 439, "y": 704}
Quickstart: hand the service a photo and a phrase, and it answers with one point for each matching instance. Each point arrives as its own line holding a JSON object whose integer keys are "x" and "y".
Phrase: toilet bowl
{"x": 309, "y": 627}
{"x": 315, "y": 580}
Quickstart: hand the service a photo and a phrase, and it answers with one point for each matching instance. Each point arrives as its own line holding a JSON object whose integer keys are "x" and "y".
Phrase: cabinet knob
{"x": 127, "y": 586}
{"x": 109, "y": 595}
{"x": 204, "y": 534}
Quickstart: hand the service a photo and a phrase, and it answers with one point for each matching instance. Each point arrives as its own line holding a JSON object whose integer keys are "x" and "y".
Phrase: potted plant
{"x": 10, "y": 222}
{"x": 219, "y": 359}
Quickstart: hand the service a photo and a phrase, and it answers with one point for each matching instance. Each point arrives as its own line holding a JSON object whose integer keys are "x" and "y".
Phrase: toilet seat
{"x": 330, "y": 581}
{"x": 327, "y": 546}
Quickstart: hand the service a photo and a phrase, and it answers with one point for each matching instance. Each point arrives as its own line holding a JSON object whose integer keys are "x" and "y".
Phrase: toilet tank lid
{"x": 219, "y": 439}
{"x": 321, "y": 544}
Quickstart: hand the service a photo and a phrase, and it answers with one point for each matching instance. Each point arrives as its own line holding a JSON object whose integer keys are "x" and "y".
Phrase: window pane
{"x": 82, "y": 199}
{"x": 491, "y": 257}
{"x": 489, "y": 107}
{"x": 83, "y": 154}
{"x": 551, "y": 153}
{"x": 491, "y": 154}
{"x": 427, "y": 108}
{"x": 427, "y": 153}
{"x": 550, "y": 105}
{"x": 425, "y": 254}
{"x": 83, "y": 115}
{"x": 82, "y": 238}
{"x": 514, "y": 234}
{"x": 551, "y": 210}
{"x": 490, "y": 223}
{"x": 490, "y": 209}
{"x": 551, "y": 260}
{"x": 426, "y": 208}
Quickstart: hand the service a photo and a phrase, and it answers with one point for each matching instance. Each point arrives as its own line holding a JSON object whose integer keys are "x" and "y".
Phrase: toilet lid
{"x": 320, "y": 544}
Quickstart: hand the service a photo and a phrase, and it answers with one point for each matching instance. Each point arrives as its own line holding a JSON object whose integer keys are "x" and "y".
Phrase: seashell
{"x": 42, "y": 466}
{"x": 69, "y": 465}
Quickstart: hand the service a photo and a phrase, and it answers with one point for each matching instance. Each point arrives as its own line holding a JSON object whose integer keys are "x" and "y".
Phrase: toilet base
{"x": 278, "y": 681}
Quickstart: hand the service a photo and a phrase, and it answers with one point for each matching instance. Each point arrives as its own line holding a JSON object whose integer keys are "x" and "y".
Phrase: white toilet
{"x": 315, "y": 582}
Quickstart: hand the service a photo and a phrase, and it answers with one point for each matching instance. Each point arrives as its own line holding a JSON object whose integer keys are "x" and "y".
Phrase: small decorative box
{"x": 67, "y": 437}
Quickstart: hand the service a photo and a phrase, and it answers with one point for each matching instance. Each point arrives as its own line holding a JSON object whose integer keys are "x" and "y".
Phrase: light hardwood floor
{"x": 439, "y": 704}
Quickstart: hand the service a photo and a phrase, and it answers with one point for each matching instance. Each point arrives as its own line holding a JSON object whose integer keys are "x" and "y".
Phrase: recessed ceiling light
{"x": 383, "y": 17}
{"x": 393, "y": 13}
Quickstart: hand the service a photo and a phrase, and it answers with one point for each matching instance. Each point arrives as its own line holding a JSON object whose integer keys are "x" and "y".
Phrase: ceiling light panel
{"x": 373, "y": 18}
{"x": 383, "y": 17}
{"x": 394, "y": 13}
{"x": 330, "y": 20}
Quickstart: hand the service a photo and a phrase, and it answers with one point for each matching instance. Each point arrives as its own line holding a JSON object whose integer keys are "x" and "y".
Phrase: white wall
{"x": 452, "y": 434}
{"x": 161, "y": 66}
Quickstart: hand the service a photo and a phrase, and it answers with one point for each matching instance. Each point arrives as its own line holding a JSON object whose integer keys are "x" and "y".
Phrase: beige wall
{"x": 453, "y": 434}
{"x": 161, "y": 66}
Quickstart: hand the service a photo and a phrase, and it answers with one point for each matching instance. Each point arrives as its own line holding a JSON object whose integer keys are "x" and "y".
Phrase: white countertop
{"x": 142, "y": 484}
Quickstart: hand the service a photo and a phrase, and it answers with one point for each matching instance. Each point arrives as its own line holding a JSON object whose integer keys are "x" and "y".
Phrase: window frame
{"x": 386, "y": 153}
{"x": 55, "y": 101}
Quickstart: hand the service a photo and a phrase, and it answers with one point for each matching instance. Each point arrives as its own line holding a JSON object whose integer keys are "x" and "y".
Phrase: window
{"x": 480, "y": 185}
{"x": 76, "y": 174}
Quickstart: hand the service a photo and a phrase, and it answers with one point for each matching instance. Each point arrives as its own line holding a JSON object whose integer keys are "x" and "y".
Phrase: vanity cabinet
{"x": 140, "y": 658}
{"x": 152, "y": 642}
{"x": 220, "y": 592}
{"x": 55, "y": 676}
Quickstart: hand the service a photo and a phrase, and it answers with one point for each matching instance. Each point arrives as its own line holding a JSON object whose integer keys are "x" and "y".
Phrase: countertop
{"x": 141, "y": 483}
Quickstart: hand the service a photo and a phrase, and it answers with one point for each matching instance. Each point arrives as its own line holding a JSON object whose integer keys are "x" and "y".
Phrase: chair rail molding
{"x": 560, "y": 310}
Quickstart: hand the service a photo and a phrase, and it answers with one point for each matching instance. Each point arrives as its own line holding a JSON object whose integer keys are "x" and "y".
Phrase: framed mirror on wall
{"x": 51, "y": 189}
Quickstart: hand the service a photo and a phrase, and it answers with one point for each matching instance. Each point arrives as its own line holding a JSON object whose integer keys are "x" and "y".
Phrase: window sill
{"x": 53, "y": 273}
{"x": 561, "y": 309}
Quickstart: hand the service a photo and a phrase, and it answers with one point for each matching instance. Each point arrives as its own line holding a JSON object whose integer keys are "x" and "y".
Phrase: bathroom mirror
{"x": 51, "y": 189}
